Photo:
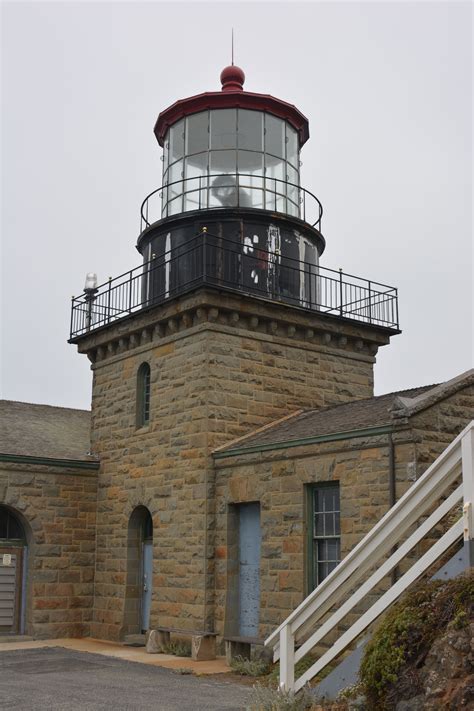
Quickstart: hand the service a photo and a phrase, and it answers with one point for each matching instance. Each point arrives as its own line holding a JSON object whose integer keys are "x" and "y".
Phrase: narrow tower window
{"x": 143, "y": 395}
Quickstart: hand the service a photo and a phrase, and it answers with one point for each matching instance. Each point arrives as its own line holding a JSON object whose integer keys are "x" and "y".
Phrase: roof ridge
{"x": 40, "y": 404}
{"x": 313, "y": 410}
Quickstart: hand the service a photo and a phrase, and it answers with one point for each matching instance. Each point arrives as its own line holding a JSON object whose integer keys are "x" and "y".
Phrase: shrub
{"x": 405, "y": 635}
{"x": 178, "y": 648}
{"x": 250, "y": 667}
{"x": 265, "y": 698}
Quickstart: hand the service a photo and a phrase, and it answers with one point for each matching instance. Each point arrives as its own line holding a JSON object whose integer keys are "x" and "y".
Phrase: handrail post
{"x": 287, "y": 659}
{"x": 204, "y": 255}
{"x": 467, "y": 453}
{"x": 130, "y": 293}
{"x": 340, "y": 291}
{"x": 71, "y": 327}
{"x": 108, "y": 299}
{"x": 370, "y": 301}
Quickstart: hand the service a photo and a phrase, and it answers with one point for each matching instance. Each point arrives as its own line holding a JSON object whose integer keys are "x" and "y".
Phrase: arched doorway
{"x": 139, "y": 572}
{"x": 13, "y": 562}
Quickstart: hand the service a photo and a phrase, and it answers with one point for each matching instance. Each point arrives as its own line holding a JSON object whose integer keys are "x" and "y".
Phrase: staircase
{"x": 434, "y": 499}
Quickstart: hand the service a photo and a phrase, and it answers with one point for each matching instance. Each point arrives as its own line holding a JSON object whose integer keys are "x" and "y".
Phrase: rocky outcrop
{"x": 447, "y": 676}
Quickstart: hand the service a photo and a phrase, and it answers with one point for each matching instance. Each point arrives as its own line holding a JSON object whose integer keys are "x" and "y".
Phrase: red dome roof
{"x": 231, "y": 96}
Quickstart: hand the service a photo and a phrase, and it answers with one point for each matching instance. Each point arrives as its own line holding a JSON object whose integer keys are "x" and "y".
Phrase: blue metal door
{"x": 147, "y": 583}
{"x": 249, "y": 569}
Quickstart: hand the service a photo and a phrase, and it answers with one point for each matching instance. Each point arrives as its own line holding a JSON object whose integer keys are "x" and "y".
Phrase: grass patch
{"x": 250, "y": 667}
{"x": 178, "y": 648}
{"x": 266, "y": 698}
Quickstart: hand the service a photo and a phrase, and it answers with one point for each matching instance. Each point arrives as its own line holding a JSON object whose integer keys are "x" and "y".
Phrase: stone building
{"x": 48, "y": 492}
{"x": 236, "y": 451}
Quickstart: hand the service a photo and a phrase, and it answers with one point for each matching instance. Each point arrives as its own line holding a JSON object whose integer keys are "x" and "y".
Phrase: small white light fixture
{"x": 91, "y": 282}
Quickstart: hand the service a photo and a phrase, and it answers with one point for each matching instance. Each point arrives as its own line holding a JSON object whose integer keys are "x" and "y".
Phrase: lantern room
{"x": 231, "y": 157}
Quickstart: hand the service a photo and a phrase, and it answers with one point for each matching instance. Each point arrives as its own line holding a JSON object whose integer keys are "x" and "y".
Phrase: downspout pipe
{"x": 392, "y": 492}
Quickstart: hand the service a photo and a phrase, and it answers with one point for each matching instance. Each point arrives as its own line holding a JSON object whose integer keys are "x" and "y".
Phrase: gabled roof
{"x": 375, "y": 412}
{"x": 32, "y": 430}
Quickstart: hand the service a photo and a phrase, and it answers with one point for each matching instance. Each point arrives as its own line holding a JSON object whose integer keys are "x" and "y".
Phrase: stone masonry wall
{"x": 437, "y": 426}
{"x": 58, "y": 509}
{"x": 278, "y": 479}
{"x": 212, "y": 379}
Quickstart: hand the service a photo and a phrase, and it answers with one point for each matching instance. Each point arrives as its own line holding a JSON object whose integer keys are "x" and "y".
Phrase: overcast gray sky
{"x": 387, "y": 88}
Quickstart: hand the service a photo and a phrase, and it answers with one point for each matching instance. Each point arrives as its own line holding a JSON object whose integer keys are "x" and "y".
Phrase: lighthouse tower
{"x": 229, "y": 323}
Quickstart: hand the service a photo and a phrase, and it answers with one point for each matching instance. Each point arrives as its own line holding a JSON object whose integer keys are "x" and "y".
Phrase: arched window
{"x": 143, "y": 395}
{"x": 10, "y": 528}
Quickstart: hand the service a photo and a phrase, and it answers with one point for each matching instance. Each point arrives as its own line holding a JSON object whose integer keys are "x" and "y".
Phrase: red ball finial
{"x": 232, "y": 78}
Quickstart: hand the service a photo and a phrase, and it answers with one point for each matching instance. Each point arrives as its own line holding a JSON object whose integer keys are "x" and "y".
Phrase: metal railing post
{"x": 370, "y": 301}
{"x": 71, "y": 326}
{"x": 108, "y": 299}
{"x": 340, "y": 292}
{"x": 204, "y": 255}
{"x": 130, "y": 293}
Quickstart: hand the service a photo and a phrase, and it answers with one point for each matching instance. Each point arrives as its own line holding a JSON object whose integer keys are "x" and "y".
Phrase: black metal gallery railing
{"x": 205, "y": 192}
{"x": 216, "y": 262}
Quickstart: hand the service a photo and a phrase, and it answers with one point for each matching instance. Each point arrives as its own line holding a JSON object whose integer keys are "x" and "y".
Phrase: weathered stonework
{"x": 57, "y": 506}
{"x": 277, "y": 479}
{"x": 220, "y": 367}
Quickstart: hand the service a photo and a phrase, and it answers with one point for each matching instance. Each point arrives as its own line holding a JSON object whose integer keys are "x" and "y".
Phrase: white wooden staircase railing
{"x": 305, "y": 627}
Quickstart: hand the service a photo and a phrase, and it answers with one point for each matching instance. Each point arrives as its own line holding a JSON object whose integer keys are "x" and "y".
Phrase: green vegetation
{"x": 265, "y": 698}
{"x": 250, "y": 667}
{"x": 405, "y": 635}
{"x": 178, "y": 648}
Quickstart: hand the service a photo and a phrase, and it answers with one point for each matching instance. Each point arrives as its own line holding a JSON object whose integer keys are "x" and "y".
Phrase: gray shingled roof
{"x": 360, "y": 414}
{"x": 44, "y": 431}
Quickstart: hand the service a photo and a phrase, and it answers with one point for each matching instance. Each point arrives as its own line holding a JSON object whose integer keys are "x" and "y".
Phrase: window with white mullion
{"x": 326, "y": 541}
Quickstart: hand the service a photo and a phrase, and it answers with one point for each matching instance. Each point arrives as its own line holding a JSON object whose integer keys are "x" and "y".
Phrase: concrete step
{"x": 15, "y": 638}
{"x": 135, "y": 640}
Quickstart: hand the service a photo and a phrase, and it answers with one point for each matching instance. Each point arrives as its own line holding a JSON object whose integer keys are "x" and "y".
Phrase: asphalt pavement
{"x": 59, "y": 679}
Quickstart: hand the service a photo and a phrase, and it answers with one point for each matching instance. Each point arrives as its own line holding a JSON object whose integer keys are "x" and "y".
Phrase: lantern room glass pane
{"x": 224, "y": 128}
{"x": 223, "y": 191}
{"x": 197, "y": 133}
{"x": 251, "y": 180}
{"x": 166, "y": 146}
{"x": 276, "y": 170}
{"x": 175, "y": 188}
{"x": 274, "y": 136}
{"x": 196, "y": 165}
{"x": 223, "y": 162}
{"x": 195, "y": 186}
{"x": 248, "y": 162}
{"x": 250, "y": 130}
{"x": 293, "y": 192}
{"x": 292, "y": 146}
{"x": 176, "y": 141}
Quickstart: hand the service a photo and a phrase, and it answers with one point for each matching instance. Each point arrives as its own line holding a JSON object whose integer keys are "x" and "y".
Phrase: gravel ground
{"x": 55, "y": 679}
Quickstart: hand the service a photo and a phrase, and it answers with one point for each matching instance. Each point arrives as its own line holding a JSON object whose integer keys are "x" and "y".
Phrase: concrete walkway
{"x": 118, "y": 651}
{"x": 46, "y": 677}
